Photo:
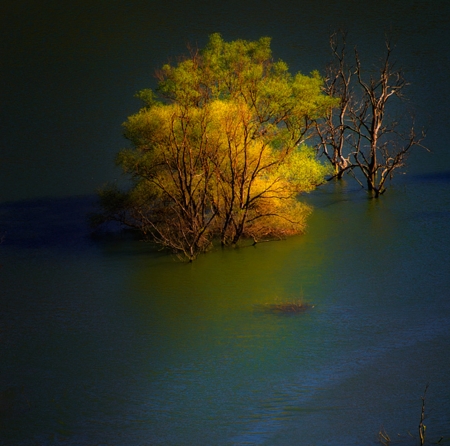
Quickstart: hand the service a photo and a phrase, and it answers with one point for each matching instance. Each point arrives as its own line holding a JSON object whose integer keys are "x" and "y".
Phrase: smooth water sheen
{"x": 106, "y": 341}
{"x": 109, "y": 343}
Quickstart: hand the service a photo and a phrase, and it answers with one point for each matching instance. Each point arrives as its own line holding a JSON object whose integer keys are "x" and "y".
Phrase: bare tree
{"x": 333, "y": 128}
{"x": 361, "y": 133}
{"x": 422, "y": 427}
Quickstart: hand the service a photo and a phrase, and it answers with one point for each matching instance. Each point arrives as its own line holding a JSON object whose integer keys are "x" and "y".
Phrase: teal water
{"x": 110, "y": 343}
{"x": 105, "y": 341}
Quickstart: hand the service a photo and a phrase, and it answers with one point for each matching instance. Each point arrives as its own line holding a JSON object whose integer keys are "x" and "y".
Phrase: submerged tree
{"x": 333, "y": 129}
{"x": 360, "y": 133}
{"x": 219, "y": 150}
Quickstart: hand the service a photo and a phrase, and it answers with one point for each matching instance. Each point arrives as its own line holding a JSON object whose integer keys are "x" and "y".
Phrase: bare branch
{"x": 361, "y": 134}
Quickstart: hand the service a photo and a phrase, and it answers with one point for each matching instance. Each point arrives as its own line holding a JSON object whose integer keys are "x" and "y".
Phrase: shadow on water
{"x": 56, "y": 222}
{"x": 64, "y": 224}
{"x": 435, "y": 177}
{"x": 334, "y": 192}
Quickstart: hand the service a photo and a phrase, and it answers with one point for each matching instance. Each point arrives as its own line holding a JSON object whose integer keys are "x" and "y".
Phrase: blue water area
{"x": 107, "y": 340}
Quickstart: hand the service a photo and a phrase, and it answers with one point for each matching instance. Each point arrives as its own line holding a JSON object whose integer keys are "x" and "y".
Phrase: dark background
{"x": 69, "y": 71}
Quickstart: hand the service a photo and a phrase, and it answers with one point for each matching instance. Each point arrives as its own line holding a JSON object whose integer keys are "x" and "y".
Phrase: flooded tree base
{"x": 287, "y": 307}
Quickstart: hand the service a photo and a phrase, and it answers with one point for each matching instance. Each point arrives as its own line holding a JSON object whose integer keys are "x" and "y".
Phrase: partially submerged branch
{"x": 360, "y": 134}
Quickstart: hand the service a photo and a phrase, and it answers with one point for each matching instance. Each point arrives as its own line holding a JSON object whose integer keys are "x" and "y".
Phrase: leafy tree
{"x": 360, "y": 134}
{"x": 218, "y": 150}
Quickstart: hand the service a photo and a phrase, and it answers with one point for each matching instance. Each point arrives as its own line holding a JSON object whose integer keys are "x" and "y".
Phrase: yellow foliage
{"x": 222, "y": 155}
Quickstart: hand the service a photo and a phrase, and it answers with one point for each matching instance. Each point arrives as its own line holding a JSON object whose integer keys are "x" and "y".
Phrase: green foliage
{"x": 148, "y": 97}
{"x": 218, "y": 150}
{"x": 301, "y": 169}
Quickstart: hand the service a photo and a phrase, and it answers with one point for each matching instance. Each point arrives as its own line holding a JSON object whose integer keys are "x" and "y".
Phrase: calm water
{"x": 107, "y": 342}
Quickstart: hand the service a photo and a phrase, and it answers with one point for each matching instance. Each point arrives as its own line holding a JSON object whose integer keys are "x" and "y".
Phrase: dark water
{"x": 108, "y": 342}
